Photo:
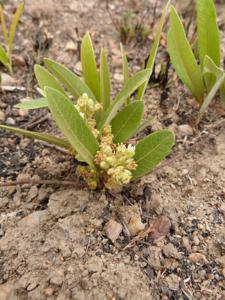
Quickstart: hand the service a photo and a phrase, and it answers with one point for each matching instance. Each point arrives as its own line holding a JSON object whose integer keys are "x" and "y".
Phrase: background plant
{"x": 9, "y": 35}
{"x": 205, "y": 79}
{"x": 97, "y": 128}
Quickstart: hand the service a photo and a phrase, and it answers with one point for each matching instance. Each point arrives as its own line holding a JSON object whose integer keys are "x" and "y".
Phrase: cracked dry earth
{"x": 69, "y": 243}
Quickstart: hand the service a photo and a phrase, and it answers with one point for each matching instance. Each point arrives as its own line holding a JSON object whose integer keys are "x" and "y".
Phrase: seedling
{"x": 130, "y": 27}
{"x": 205, "y": 79}
{"x": 96, "y": 129}
{"x": 9, "y": 35}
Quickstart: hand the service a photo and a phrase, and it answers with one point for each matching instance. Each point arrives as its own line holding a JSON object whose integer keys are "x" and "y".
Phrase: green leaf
{"x": 104, "y": 81}
{"x": 72, "y": 125}
{"x": 153, "y": 52}
{"x": 70, "y": 80}
{"x": 211, "y": 74}
{"x": 4, "y": 28}
{"x": 90, "y": 72}
{"x": 45, "y": 78}
{"x": 208, "y": 31}
{"x": 126, "y": 122}
{"x": 182, "y": 57}
{"x": 33, "y": 104}
{"x": 4, "y": 57}
{"x": 212, "y": 93}
{"x": 125, "y": 68}
{"x": 13, "y": 26}
{"x": 128, "y": 89}
{"x": 38, "y": 136}
{"x": 152, "y": 150}
{"x": 125, "y": 64}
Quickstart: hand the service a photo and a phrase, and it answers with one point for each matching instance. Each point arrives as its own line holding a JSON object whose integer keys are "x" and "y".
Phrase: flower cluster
{"x": 87, "y": 108}
{"x": 117, "y": 162}
{"x": 114, "y": 162}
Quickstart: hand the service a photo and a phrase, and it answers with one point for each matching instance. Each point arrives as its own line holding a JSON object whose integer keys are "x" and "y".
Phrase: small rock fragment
{"x": 185, "y": 130}
{"x": 71, "y": 46}
{"x": 2, "y": 116}
{"x": 113, "y": 230}
{"x": 6, "y": 80}
{"x": 118, "y": 77}
{"x": 131, "y": 217}
{"x": 78, "y": 66}
{"x": 172, "y": 282}
{"x": 160, "y": 227}
{"x": 49, "y": 292}
{"x": 155, "y": 203}
{"x": 32, "y": 286}
{"x": 33, "y": 192}
{"x": 155, "y": 257}
{"x": 94, "y": 264}
{"x": 222, "y": 260}
{"x": 197, "y": 257}
{"x": 57, "y": 277}
{"x": 10, "y": 121}
{"x": 185, "y": 243}
{"x": 170, "y": 251}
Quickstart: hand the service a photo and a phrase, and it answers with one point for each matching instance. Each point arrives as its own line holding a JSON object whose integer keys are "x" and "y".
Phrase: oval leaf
{"x": 70, "y": 80}
{"x": 90, "y": 72}
{"x": 72, "y": 125}
{"x": 208, "y": 31}
{"x": 45, "y": 78}
{"x": 152, "y": 150}
{"x": 126, "y": 122}
{"x": 182, "y": 57}
{"x": 33, "y": 104}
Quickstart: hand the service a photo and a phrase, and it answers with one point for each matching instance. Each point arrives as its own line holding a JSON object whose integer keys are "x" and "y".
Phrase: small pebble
{"x": 2, "y": 116}
{"x": 197, "y": 257}
{"x": 10, "y": 121}
{"x": 113, "y": 230}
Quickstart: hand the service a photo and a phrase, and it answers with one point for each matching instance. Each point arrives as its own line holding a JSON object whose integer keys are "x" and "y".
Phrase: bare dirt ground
{"x": 54, "y": 242}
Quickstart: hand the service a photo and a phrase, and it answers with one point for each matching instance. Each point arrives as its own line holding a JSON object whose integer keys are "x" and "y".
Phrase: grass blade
{"x": 151, "y": 150}
{"x": 212, "y": 93}
{"x": 211, "y": 74}
{"x": 4, "y": 57}
{"x": 72, "y": 125}
{"x": 4, "y": 28}
{"x": 208, "y": 31}
{"x": 70, "y": 80}
{"x": 38, "y": 136}
{"x": 90, "y": 72}
{"x": 13, "y": 26}
{"x": 104, "y": 81}
{"x": 125, "y": 64}
{"x": 126, "y": 122}
{"x": 182, "y": 57}
{"x": 153, "y": 52}
{"x": 129, "y": 88}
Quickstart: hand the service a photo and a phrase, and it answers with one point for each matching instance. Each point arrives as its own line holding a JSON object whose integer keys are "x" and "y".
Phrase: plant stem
{"x": 38, "y": 181}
